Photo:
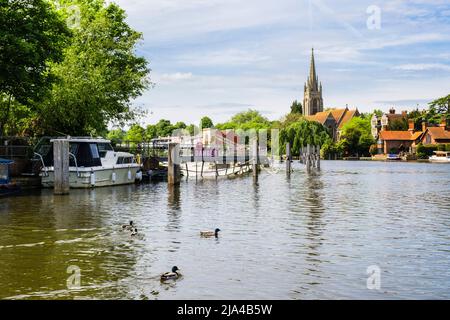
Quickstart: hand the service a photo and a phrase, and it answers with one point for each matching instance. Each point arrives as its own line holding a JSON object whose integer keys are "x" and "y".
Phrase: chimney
{"x": 424, "y": 126}
{"x": 392, "y": 111}
{"x": 404, "y": 113}
{"x": 443, "y": 123}
{"x": 411, "y": 125}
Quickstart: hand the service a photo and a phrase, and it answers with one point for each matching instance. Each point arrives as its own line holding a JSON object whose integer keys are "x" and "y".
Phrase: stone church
{"x": 312, "y": 101}
{"x": 333, "y": 119}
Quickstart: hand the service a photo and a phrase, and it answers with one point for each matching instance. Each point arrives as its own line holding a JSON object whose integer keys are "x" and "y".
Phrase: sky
{"x": 219, "y": 57}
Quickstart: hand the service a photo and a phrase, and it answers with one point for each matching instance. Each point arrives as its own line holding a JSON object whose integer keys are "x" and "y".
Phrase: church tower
{"x": 312, "y": 101}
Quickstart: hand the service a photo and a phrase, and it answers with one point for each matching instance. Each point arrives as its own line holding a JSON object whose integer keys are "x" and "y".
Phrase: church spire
{"x": 312, "y": 101}
{"x": 312, "y": 73}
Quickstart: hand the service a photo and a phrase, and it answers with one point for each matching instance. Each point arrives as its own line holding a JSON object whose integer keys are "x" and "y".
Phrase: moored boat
{"x": 440, "y": 157}
{"x": 393, "y": 157}
{"x": 93, "y": 163}
{"x": 6, "y": 186}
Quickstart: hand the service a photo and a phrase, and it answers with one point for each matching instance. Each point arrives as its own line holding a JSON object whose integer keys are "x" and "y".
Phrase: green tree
{"x": 398, "y": 125}
{"x": 246, "y": 120}
{"x": 356, "y": 137}
{"x": 164, "y": 128}
{"x": 151, "y": 132}
{"x": 32, "y": 36}
{"x": 206, "y": 122}
{"x": 439, "y": 108}
{"x": 99, "y": 76}
{"x": 116, "y": 135}
{"x": 300, "y": 134}
{"x": 291, "y": 118}
{"x": 191, "y": 129}
{"x": 135, "y": 134}
{"x": 179, "y": 125}
{"x": 296, "y": 107}
{"x": 442, "y": 105}
{"x": 378, "y": 112}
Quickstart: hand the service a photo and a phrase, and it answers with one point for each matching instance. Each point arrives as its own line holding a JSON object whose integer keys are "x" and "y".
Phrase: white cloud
{"x": 230, "y": 54}
{"x": 225, "y": 57}
{"x": 423, "y": 67}
{"x": 178, "y": 76}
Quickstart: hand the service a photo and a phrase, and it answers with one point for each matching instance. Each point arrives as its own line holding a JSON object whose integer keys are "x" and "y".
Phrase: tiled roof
{"x": 439, "y": 133}
{"x": 338, "y": 113}
{"x": 347, "y": 117}
{"x": 416, "y": 135}
{"x": 399, "y": 135}
{"x": 341, "y": 116}
{"x": 320, "y": 117}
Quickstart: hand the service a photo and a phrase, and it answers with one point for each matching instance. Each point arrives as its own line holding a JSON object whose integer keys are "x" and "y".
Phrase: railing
{"x": 42, "y": 162}
{"x": 76, "y": 164}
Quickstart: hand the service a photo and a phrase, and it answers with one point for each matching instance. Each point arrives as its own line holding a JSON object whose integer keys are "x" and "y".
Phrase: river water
{"x": 307, "y": 237}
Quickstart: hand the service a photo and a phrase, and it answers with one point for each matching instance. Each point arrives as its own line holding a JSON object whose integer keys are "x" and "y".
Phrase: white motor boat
{"x": 440, "y": 157}
{"x": 93, "y": 163}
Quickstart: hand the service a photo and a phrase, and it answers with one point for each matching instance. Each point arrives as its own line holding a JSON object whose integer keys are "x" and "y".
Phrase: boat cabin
{"x": 89, "y": 152}
{"x": 442, "y": 154}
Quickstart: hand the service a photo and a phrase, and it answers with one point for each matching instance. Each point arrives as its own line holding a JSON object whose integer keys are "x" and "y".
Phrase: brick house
{"x": 407, "y": 141}
{"x": 436, "y": 135}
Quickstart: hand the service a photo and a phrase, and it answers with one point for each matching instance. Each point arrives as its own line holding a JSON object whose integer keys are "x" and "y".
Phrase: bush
{"x": 373, "y": 149}
{"x": 425, "y": 151}
{"x": 393, "y": 150}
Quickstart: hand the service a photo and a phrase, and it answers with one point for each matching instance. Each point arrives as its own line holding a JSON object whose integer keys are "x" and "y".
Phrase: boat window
{"x": 124, "y": 160}
{"x": 103, "y": 148}
{"x": 74, "y": 148}
{"x": 94, "y": 150}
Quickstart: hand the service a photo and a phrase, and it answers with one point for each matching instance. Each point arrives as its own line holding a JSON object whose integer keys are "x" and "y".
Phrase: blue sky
{"x": 219, "y": 57}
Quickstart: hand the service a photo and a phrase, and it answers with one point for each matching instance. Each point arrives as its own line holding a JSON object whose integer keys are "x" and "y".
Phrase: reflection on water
{"x": 297, "y": 237}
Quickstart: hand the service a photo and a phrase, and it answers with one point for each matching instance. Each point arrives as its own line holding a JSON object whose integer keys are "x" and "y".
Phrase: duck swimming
{"x": 128, "y": 227}
{"x": 210, "y": 234}
{"x": 134, "y": 232}
{"x": 175, "y": 274}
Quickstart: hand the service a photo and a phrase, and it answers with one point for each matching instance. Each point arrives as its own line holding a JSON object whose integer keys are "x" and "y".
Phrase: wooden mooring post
{"x": 318, "y": 158}
{"x": 311, "y": 157}
{"x": 255, "y": 159}
{"x": 288, "y": 159}
{"x": 174, "y": 170}
{"x": 61, "y": 166}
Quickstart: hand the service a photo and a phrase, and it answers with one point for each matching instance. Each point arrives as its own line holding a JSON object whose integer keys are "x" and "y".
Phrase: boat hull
{"x": 437, "y": 160}
{"x": 94, "y": 177}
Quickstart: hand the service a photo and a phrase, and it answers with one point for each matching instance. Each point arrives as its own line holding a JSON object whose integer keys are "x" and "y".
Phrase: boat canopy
{"x": 86, "y": 153}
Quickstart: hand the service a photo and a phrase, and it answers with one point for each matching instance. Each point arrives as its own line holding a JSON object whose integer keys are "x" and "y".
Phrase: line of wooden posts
{"x": 309, "y": 156}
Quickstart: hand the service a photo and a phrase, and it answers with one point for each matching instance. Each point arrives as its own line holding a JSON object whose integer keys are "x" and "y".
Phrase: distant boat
{"x": 6, "y": 187}
{"x": 93, "y": 163}
{"x": 393, "y": 157}
{"x": 440, "y": 157}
